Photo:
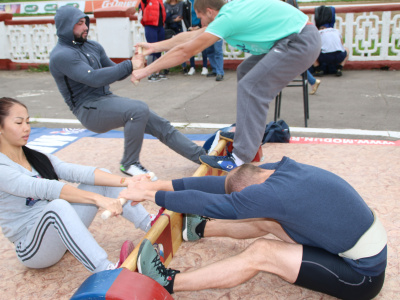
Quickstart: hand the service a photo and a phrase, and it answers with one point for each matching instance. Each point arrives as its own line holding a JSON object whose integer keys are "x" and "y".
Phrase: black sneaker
{"x": 339, "y": 72}
{"x": 162, "y": 76}
{"x": 149, "y": 264}
{"x": 164, "y": 72}
{"x": 212, "y": 74}
{"x": 153, "y": 78}
{"x": 185, "y": 70}
{"x": 219, "y": 77}
{"x": 318, "y": 72}
{"x": 225, "y": 163}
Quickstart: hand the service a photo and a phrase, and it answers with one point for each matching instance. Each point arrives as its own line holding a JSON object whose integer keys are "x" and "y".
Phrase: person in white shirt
{"x": 333, "y": 53}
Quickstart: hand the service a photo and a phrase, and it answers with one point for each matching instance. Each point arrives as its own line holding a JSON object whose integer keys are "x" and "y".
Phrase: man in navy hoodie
{"x": 83, "y": 73}
{"x": 327, "y": 238}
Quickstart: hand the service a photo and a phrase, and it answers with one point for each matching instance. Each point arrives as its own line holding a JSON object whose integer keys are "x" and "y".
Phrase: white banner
{"x": 41, "y": 7}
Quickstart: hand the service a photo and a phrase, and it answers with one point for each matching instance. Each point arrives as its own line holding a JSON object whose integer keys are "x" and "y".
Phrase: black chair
{"x": 301, "y": 82}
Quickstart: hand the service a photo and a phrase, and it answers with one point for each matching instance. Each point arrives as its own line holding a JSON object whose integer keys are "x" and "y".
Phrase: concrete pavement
{"x": 359, "y": 100}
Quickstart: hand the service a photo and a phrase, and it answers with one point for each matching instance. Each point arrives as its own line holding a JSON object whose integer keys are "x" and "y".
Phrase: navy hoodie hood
{"x": 66, "y": 18}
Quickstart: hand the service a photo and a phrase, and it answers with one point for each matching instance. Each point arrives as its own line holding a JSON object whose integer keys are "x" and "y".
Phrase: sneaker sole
{"x": 131, "y": 174}
{"x": 208, "y": 165}
{"x": 140, "y": 255}
{"x": 155, "y": 178}
{"x": 125, "y": 252}
{"x": 184, "y": 231}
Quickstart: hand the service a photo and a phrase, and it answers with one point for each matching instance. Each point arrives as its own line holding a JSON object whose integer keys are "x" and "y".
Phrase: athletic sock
{"x": 171, "y": 279}
{"x": 200, "y": 228}
{"x": 238, "y": 161}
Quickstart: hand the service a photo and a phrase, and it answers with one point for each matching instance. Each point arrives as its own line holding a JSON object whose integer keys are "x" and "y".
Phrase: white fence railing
{"x": 371, "y": 32}
{"x": 370, "y": 35}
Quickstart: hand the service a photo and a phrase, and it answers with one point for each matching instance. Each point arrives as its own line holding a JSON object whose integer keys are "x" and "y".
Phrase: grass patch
{"x": 38, "y": 69}
{"x": 34, "y": 15}
{"x": 378, "y": 50}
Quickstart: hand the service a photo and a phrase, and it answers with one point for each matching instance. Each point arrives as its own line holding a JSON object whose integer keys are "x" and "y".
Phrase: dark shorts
{"x": 334, "y": 58}
{"x": 327, "y": 273}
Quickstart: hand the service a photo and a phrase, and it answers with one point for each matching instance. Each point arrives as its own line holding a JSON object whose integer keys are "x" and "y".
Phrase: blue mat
{"x": 50, "y": 140}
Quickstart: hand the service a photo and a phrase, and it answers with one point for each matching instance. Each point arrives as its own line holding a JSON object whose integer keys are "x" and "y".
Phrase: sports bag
{"x": 276, "y": 132}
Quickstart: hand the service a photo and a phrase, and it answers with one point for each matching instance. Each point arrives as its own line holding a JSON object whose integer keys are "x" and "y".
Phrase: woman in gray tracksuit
{"x": 44, "y": 217}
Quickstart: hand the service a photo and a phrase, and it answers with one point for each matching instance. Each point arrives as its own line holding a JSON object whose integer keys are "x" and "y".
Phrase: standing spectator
{"x": 153, "y": 21}
{"x": 174, "y": 10}
{"x": 196, "y": 24}
{"x": 333, "y": 54}
{"x": 187, "y": 14}
{"x": 215, "y": 54}
{"x": 174, "y": 13}
{"x": 313, "y": 82}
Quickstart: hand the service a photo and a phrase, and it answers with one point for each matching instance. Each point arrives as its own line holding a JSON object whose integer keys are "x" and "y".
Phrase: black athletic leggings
{"x": 327, "y": 273}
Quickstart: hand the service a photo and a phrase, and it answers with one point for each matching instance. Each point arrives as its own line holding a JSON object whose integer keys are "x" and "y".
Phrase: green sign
{"x": 51, "y": 7}
{"x": 76, "y": 5}
{"x": 31, "y": 8}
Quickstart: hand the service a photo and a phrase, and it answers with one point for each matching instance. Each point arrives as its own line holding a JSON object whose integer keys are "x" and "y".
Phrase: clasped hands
{"x": 138, "y": 61}
{"x": 140, "y": 188}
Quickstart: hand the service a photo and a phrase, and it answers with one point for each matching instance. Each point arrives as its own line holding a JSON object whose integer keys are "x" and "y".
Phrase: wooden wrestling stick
{"x": 106, "y": 214}
{"x": 168, "y": 231}
{"x": 140, "y": 51}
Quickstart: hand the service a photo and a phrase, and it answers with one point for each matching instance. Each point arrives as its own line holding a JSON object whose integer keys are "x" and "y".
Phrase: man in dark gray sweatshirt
{"x": 327, "y": 239}
{"x": 83, "y": 73}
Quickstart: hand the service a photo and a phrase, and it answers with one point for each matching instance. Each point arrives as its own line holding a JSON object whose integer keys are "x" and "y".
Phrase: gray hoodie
{"x": 82, "y": 71}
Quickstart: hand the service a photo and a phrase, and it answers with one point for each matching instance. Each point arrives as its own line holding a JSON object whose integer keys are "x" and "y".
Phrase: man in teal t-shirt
{"x": 250, "y": 30}
{"x": 283, "y": 45}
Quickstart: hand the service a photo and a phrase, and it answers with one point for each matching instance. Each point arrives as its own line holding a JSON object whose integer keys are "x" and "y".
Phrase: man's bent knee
{"x": 137, "y": 110}
{"x": 276, "y": 257}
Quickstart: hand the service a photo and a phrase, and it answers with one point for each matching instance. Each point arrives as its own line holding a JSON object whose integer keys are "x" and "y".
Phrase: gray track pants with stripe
{"x": 110, "y": 112}
{"x": 261, "y": 77}
{"x": 63, "y": 226}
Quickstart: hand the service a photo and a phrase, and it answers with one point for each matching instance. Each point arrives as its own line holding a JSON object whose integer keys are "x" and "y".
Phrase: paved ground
{"x": 368, "y": 100}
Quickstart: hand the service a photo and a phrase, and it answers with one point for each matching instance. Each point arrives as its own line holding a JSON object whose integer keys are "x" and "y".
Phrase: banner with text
{"x": 50, "y": 7}
{"x": 91, "y": 6}
{"x": 42, "y": 7}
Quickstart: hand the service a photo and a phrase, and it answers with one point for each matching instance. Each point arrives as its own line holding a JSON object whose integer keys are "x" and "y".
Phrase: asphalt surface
{"x": 359, "y": 100}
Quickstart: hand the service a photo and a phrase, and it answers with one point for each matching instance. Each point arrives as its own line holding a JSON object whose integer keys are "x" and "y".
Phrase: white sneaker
{"x": 137, "y": 169}
{"x": 204, "y": 71}
{"x": 191, "y": 71}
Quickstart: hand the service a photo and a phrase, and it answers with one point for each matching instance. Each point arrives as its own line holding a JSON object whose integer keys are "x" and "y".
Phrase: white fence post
{"x": 4, "y": 42}
{"x": 114, "y": 30}
{"x": 348, "y": 40}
